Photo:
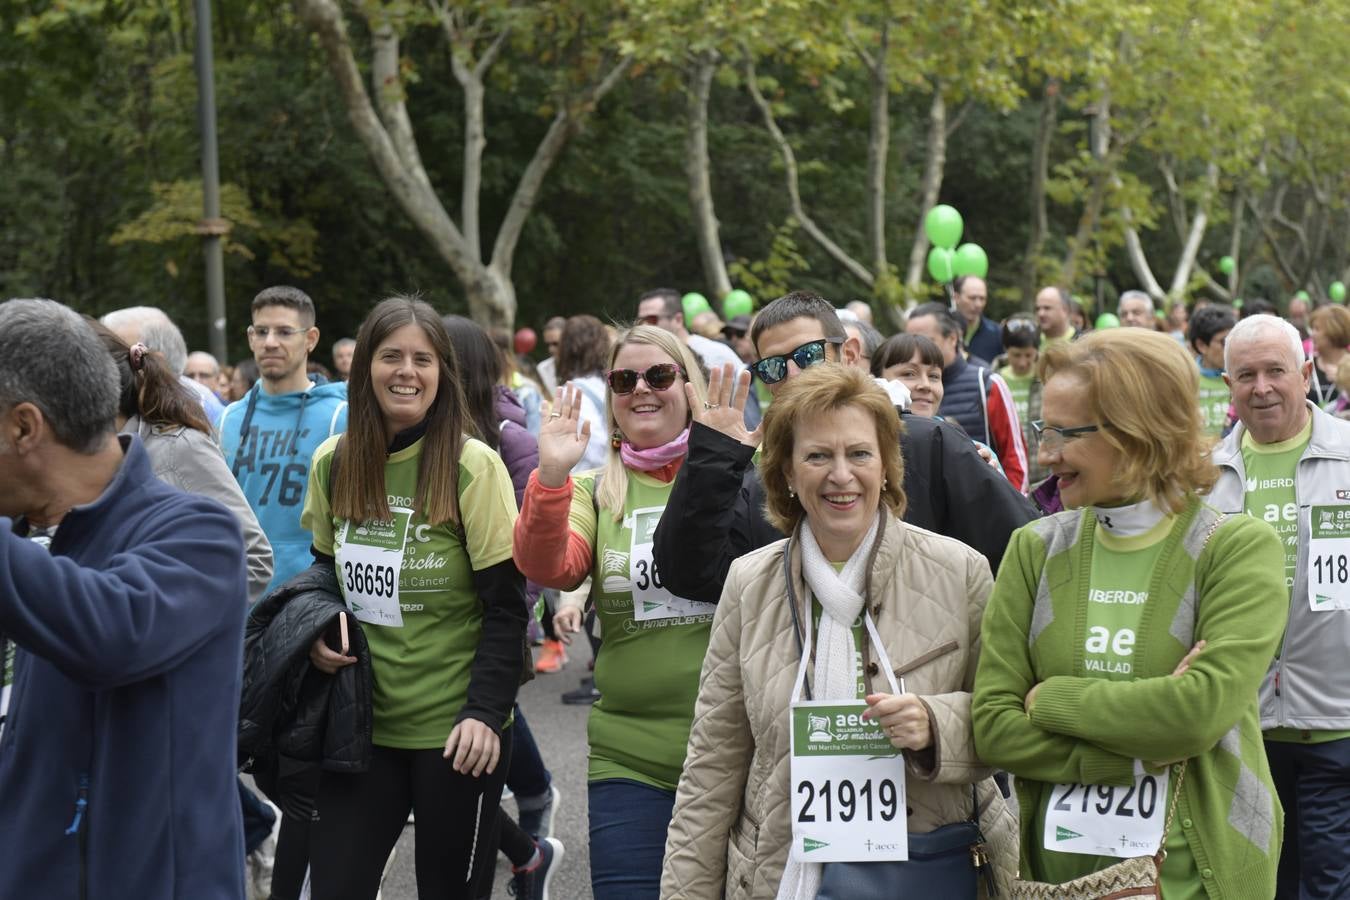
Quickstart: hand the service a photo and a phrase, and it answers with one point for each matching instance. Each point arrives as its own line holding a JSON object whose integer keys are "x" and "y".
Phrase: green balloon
{"x": 1337, "y": 291}
{"x": 1107, "y": 320}
{"x": 940, "y": 264}
{"x": 1302, "y": 295}
{"x": 943, "y": 225}
{"x": 737, "y": 303}
{"x": 970, "y": 259}
{"x": 694, "y": 303}
{"x": 1227, "y": 265}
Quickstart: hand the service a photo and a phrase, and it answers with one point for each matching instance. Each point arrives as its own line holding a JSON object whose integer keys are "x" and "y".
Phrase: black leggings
{"x": 360, "y": 818}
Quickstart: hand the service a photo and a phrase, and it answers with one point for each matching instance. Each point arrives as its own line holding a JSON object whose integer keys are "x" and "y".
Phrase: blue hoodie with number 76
{"x": 268, "y": 441}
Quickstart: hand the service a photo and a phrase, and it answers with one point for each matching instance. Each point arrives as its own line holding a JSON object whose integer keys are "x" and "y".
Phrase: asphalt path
{"x": 561, "y": 733}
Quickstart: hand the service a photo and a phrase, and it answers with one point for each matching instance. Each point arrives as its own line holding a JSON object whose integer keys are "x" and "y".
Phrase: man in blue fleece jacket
{"x": 121, "y": 638}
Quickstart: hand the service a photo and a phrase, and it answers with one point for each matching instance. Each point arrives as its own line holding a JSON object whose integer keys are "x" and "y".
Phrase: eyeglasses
{"x": 1053, "y": 439}
{"x": 283, "y": 332}
{"x": 659, "y": 378}
{"x": 773, "y": 369}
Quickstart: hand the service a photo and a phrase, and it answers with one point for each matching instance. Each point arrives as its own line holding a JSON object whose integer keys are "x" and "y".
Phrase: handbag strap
{"x": 1171, "y": 814}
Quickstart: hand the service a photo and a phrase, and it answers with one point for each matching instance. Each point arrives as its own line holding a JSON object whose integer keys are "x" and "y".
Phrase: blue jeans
{"x": 1313, "y": 781}
{"x": 527, "y": 778}
{"x": 629, "y": 821}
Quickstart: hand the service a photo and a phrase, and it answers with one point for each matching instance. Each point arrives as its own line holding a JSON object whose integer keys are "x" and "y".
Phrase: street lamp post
{"x": 212, "y": 227}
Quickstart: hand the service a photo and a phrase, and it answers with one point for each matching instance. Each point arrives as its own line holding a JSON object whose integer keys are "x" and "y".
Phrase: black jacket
{"x": 294, "y": 719}
{"x": 716, "y": 508}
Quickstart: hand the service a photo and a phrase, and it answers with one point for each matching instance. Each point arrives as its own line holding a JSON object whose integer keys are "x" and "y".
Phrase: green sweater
{"x": 1227, "y": 591}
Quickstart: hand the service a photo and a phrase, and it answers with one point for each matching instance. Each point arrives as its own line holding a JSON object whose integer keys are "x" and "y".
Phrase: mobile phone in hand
{"x": 336, "y": 636}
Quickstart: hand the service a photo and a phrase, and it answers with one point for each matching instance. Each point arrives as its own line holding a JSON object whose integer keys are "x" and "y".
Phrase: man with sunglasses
{"x": 716, "y": 509}
{"x": 662, "y": 307}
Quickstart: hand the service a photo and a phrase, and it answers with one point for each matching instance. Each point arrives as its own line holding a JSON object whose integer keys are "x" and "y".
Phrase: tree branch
{"x": 935, "y": 165}
{"x": 1040, "y": 170}
{"x": 391, "y": 99}
{"x": 854, "y": 268}
{"x": 878, "y": 151}
{"x": 324, "y": 18}
{"x": 959, "y": 119}
{"x": 567, "y": 120}
{"x": 1182, "y": 276}
{"x": 697, "y": 167}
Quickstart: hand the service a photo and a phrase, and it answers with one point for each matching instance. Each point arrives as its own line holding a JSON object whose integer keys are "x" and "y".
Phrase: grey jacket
{"x": 191, "y": 461}
{"x": 1308, "y": 686}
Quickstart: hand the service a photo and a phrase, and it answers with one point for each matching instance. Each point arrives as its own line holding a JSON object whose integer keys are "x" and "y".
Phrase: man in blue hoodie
{"x": 121, "y": 639}
{"x": 269, "y": 435}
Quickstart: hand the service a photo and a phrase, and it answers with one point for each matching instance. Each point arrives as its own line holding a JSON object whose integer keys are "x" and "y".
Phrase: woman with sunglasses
{"x": 1127, "y": 636}
{"x": 600, "y": 524}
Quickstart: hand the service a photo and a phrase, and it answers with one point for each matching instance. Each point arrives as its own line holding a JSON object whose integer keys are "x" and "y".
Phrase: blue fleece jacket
{"x": 117, "y": 759}
{"x": 268, "y": 441}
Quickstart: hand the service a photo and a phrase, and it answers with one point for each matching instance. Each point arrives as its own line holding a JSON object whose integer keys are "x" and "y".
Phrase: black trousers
{"x": 360, "y": 818}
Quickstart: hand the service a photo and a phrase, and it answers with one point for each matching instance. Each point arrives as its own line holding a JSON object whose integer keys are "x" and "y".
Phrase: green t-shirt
{"x": 1215, "y": 399}
{"x": 1270, "y": 493}
{"x": 421, "y": 670}
{"x": 1020, "y": 388}
{"x": 648, "y": 671}
{"x": 1122, "y": 569}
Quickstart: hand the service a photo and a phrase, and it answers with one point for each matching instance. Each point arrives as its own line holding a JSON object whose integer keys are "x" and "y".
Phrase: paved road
{"x": 561, "y": 733}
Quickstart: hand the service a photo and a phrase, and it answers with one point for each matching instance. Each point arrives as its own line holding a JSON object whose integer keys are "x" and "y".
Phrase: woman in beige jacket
{"x": 832, "y": 472}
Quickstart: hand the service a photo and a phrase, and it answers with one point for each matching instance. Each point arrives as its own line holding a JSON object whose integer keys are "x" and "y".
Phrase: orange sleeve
{"x": 545, "y": 547}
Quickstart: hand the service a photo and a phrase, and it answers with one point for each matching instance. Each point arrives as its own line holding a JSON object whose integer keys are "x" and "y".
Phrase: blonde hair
{"x": 1343, "y": 375}
{"x": 1145, "y": 387}
{"x": 1334, "y": 322}
{"x": 614, "y": 477}
{"x": 824, "y": 389}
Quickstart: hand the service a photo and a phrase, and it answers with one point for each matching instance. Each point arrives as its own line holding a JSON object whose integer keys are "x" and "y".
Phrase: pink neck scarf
{"x": 653, "y": 458}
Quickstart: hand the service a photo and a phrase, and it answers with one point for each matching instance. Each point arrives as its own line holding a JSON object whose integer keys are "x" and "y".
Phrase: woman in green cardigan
{"x": 1127, "y": 636}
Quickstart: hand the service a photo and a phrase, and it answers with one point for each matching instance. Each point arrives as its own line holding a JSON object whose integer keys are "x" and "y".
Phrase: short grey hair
{"x": 1134, "y": 295}
{"x": 1253, "y": 327}
{"x": 155, "y": 329}
{"x": 51, "y": 358}
{"x": 202, "y": 355}
{"x": 868, "y": 336}
{"x": 342, "y": 343}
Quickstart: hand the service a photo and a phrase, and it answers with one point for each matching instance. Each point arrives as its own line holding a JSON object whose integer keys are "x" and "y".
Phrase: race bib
{"x": 369, "y": 562}
{"x": 1329, "y": 558}
{"x": 1108, "y": 820}
{"x": 848, "y": 786}
{"x": 651, "y": 600}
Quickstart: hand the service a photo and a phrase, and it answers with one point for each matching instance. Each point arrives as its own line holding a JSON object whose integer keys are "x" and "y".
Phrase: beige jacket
{"x": 730, "y": 832}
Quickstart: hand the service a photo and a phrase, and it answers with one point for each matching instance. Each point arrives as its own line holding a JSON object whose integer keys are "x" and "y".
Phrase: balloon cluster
{"x": 735, "y": 303}
{"x": 946, "y": 261}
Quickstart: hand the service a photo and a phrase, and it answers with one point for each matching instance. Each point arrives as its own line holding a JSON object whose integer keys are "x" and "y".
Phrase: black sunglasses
{"x": 659, "y": 377}
{"x": 773, "y": 369}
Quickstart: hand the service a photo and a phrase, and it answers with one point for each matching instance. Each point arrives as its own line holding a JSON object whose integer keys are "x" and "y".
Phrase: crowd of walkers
{"x": 979, "y": 609}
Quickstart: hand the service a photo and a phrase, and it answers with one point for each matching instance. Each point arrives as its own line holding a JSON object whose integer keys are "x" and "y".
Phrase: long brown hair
{"x": 150, "y": 389}
{"x": 358, "y": 481}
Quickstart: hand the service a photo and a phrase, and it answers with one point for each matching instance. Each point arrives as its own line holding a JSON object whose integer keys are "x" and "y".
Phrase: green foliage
{"x": 775, "y": 274}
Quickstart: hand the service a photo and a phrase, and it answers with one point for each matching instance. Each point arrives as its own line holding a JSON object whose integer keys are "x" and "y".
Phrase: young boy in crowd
{"x": 1208, "y": 330}
{"x": 1021, "y": 343}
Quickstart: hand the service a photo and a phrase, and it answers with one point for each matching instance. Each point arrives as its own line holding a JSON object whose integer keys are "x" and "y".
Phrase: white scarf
{"x": 836, "y": 672}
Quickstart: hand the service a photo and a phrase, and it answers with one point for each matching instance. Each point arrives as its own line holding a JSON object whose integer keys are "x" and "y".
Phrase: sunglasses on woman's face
{"x": 773, "y": 369}
{"x": 659, "y": 377}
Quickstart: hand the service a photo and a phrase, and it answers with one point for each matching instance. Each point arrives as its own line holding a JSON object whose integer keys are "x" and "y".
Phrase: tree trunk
{"x": 878, "y": 148}
{"x": 696, "y": 166}
{"x": 935, "y": 164}
{"x": 389, "y": 140}
{"x": 1040, "y": 170}
{"x": 837, "y": 253}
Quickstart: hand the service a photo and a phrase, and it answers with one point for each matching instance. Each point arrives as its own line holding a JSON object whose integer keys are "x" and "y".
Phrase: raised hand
{"x": 561, "y": 445}
{"x": 725, "y": 409}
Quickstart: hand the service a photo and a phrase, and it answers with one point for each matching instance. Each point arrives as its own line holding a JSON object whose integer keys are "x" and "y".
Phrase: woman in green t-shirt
{"x": 1127, "y": 636}
{"x": 418, "y": 527}
{"x": 601, "y": 524}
